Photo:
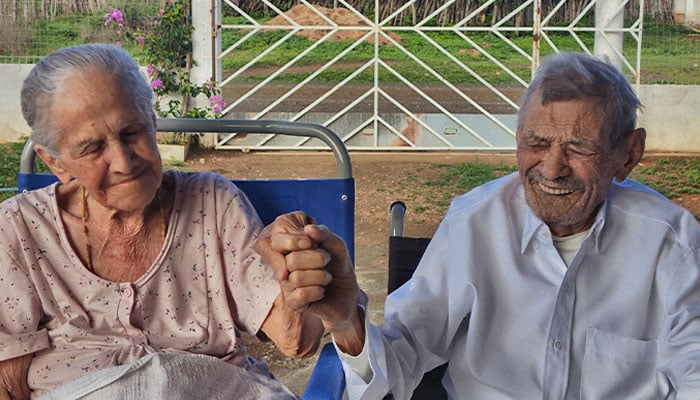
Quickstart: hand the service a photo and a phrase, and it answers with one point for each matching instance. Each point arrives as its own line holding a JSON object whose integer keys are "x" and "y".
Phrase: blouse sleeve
{"x": 20, "y": 311}
{"x": 252, "y": 284}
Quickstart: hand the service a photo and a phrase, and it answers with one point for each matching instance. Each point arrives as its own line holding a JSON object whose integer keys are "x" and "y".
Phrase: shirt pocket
{"x": 618, "y": 367}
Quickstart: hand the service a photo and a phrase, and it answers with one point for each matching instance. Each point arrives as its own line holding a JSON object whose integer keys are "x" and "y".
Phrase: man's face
{"x": 565, "y": 164}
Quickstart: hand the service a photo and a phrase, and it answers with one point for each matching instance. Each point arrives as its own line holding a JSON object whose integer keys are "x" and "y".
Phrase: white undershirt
{"x": 568, "y": 246}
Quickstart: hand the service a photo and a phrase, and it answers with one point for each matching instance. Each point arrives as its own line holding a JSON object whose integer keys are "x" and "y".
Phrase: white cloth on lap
{"x": 175, "y": 376}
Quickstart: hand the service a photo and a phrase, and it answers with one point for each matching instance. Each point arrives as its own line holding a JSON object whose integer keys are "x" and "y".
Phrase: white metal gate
{"x": 461, "y": 94}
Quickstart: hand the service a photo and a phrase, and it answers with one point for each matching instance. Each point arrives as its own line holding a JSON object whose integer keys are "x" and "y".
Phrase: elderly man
{"x": 562, "y": 281}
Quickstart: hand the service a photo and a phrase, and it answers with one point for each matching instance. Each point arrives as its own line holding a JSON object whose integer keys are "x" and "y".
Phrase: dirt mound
{"x": 305, "y": 16}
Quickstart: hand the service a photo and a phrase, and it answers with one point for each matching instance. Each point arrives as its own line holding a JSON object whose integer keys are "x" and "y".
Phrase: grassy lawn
{"x": 670, "y": 53}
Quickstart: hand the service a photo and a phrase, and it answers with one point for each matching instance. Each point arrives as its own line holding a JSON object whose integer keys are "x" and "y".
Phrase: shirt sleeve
{"x": 358, "y": 364}
{"x": 679, "y": 344}
{"x": 375, "y": 370}
{"x": 398, "y": 354}
{"x": 20, "y": 312}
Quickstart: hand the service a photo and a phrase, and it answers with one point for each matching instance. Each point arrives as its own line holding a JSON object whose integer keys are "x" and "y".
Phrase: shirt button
{"x": 557, "y": 345}
{"x": 127, "y": 292}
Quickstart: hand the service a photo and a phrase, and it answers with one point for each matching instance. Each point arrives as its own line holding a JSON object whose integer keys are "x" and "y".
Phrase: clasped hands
{"x": 313, "y": 267}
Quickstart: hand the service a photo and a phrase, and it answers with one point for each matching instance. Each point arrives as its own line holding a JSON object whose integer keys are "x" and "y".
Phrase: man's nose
{"x": 555, "y": 164}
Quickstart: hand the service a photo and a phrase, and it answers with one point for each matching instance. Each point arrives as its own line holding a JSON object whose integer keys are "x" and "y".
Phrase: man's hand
{"x": 313, "y": 267}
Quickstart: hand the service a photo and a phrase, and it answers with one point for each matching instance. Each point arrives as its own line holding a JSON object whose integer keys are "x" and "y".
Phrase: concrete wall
{"x": 12, "y": 124}
{"x": 687, "y": 12}
{"x": 671, "y": 116}
{"x": 671, "y": 113}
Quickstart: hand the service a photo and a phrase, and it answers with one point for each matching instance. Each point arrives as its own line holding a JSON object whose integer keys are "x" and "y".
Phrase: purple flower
{"x": 113, "y": 16}
{"x": 118, "y": 16}
{"x": 150, "y": 69}
{"x": 217, "y": 103}
{"x": 157, "y": 84}
{"x": 140, "y": 40}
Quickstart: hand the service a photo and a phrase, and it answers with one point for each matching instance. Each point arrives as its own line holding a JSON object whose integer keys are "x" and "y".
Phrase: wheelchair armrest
{"x": 327, "y": 381}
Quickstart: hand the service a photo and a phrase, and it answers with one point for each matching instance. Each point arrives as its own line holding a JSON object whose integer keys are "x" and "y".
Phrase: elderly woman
{"x": 120, "y": 260}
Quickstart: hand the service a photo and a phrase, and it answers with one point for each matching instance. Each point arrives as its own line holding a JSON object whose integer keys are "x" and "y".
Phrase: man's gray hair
{"x": 46, "y": 81}
{"x": 577, "y": 76}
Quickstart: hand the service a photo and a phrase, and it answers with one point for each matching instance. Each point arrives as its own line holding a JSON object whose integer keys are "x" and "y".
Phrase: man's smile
{"x": 554, "y": 191}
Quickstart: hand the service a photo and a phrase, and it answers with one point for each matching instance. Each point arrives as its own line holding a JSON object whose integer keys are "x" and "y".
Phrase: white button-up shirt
{"x": 493, "y": 297}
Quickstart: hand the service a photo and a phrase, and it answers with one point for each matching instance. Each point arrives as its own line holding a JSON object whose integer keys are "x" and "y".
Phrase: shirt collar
{"x": 534, "y": 227}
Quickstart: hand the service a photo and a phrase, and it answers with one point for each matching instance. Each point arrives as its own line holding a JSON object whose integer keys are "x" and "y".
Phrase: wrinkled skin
{"x": 566, "y": 164}
{"x": 315, "y": 273}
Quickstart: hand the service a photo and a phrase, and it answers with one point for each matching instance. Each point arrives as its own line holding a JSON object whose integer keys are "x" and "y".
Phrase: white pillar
{"x": 609, "y": 21}
{"x": 693, "y": 12}
{"x": 206, "y": 46}
{"x": 203, "y": 45}
{"x": 679, "y": 7}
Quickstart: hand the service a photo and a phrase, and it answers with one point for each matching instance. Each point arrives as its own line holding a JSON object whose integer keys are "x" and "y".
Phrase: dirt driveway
{"x": 380, "y": 179}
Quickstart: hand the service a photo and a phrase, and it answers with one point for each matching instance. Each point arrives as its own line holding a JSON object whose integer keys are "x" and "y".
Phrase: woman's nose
{"x": 120, "y": 158}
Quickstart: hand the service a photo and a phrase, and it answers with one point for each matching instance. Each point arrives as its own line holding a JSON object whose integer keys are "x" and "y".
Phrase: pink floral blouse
{"x": 206, "y": 286}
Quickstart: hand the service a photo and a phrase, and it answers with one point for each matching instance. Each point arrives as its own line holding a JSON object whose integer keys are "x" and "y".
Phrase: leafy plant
{"x": 670, "y": 176}
{"x": 438, "y": 184}
{"x": 168, "y": 51}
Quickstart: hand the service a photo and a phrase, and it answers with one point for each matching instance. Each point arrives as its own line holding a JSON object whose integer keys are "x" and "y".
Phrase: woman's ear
{"x": 632, "y": 152}
{"x": 54, "y": 163}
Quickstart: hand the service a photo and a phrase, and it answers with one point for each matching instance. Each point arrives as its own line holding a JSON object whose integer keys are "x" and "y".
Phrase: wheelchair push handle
{"x": 195, "y": 125}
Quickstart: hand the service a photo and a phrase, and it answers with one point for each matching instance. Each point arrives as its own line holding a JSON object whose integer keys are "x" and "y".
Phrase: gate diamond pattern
{"x": 448, "y": 81}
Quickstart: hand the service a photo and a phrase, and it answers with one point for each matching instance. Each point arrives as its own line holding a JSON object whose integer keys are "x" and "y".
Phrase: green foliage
{"x": 671, "y": 177}
{"x": 167, "y": 49}
{"x": 418, "y": 50}
{"x": 446, "y": 181}
{"x": 10, "y": 154}
{"x": 64, "y": 30}
{"x": 668, "y": 52}
{"x": 665, "y": 54}
{"x": 466, "y": 176}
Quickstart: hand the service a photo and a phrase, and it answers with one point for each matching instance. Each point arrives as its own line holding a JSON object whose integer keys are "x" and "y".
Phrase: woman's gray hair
{"x": 577, "y": 76}
{"x": 45, "y": 82}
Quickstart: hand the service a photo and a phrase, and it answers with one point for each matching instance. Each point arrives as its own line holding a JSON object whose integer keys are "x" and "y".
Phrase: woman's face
{"x": 106, "y": 142}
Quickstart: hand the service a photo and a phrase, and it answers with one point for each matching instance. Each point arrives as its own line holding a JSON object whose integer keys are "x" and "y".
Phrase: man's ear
{"x": 632, "y": 151}
{"x": 54, "y": 163}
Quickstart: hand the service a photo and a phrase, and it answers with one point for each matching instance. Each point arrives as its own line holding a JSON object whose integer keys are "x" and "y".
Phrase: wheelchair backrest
{"x": 331, "y": 201}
